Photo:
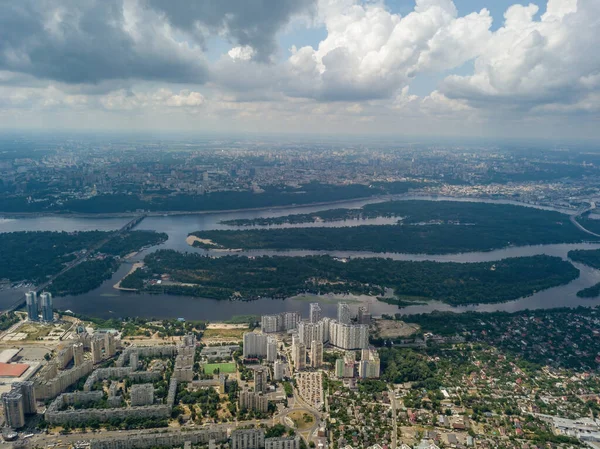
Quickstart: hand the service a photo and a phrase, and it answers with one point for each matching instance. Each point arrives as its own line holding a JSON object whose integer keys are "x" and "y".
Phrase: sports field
{"x": 224, "y": 368}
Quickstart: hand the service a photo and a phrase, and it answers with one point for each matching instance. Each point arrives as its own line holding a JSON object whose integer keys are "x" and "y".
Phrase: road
{"x": 81, "y": 258}
{"x": 573, "y": 219}
{"x": 392, "y": 394}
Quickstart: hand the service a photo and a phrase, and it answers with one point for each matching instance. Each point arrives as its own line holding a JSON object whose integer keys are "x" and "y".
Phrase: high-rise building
{"x": 309, "y": 332}
{"x": 344, "y": 315}
{"x": 96, "y": 345}
{"x": 253, "y": 401}
{"x": 344, "y": 368}
{"x": 110, "y": 345}
{"x": 315, "y": 312}
{"x": 278, "y": 369}
{"x": 142, "y": 394}
{"x": 27, "y": 389}
{"x": 78, "y": 354}
{"x": 134, "y": 361}
{"x": 33, "y": 310}
{"x": 349, "y": 336}
{"x": 299, "y": 356}
{"x": 364, "y": 316}
{"x": 268, "y": 324}
{"x": 247, "y": 439}
{"x": 14, "y": 409}
{"x": 316, "y": 354}
{"x": 369, "y": 366}
{"x": 281, "y": 322}
{"x": 260, "y": 380}
{"x": 283, "y": 443}
{"x": 290, "y": 320}
{"x": 47, "y": 307}
{"x": 271, "y": 349}
{"x": 255, "y": 345}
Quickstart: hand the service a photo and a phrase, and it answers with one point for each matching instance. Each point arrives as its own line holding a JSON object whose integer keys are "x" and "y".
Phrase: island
{"x": 425, "y": 227}
{"x": 243, "y": 278}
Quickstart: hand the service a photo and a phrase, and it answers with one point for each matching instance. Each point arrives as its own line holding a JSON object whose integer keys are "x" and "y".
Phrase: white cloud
{"x": 357, "y": 78}
{"x": 527, "y": 62}
{"x": 370, "y": 52}
{"x": 244, "y": 53}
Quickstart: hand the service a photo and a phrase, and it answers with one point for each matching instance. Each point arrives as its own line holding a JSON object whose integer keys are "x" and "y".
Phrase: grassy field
{"x": 224, "y": 333}
{"x": 225, "y": 368}
{"x": 302, "y": 420}
{"x": 39, "y": 330}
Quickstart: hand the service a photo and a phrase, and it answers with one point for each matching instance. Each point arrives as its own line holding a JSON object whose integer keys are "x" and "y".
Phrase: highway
{"x": 578, "y": 225}
{"x": 81, "y": 258}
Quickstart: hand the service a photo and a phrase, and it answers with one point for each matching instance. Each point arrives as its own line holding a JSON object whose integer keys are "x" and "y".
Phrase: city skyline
{"x": 316, "y": 67}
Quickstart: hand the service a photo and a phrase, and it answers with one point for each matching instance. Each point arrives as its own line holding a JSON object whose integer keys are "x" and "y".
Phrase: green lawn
{"x": 224, "y": 368}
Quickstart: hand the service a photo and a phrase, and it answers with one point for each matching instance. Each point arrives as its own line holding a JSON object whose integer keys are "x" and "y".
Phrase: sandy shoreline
{"x": 134, "y": 267}
{"x": 191, "y": 239}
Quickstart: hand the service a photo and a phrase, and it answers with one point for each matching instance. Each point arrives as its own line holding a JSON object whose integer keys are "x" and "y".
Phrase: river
{"x": 107, "y": 302}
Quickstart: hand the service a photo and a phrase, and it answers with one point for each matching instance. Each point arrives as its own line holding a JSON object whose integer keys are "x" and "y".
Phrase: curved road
{"x": 573, "y": 219}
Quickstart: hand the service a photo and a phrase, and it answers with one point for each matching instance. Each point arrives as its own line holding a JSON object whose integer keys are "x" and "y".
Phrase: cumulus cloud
{"x": 252, "y": 23}
{"x": 529, "y": 63}
{"x": 88, "y": 41}
{"x": 244, "y": 53}
{"x": 146, "y": 58}
{"x": 370, "y": 52}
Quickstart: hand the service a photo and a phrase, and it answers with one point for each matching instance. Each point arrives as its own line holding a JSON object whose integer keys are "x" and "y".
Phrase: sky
{"x": 471, "y": 68}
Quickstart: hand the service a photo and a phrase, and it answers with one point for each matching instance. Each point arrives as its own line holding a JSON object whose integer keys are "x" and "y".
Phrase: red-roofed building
{"x": 13, "y": 369}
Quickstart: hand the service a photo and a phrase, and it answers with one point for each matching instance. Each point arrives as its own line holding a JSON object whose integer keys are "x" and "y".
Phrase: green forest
{"x": 589, "y": 257}
{"x": 132, "y": 241}
{"x": 590, "y": 292}
{"x": 427, "y": 227}
{"x": 281, "y": 277}
{"x": 84, "y": 277}
{"x": 589, "y": 223}
{"x": 36, "y": 256}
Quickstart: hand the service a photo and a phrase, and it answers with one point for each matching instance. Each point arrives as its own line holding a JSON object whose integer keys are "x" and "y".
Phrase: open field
{"x": 302, "y": 420}
{"x": 37, "y": 331}
{"x": 395, "y": 329}
{"x": 224, "y": 368}
{"x": 227, "y": 326}
{"x": 235, "y": 333}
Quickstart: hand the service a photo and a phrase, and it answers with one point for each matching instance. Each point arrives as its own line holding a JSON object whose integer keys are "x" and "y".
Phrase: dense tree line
{"x": 7, "y": 320}
{"x": 588, "y": 223}
{"x": 84, "y": 277}
{"x": 400, "y": 365}
{"x": 34, "y": 256}
{"x": 431, "y": 227}
{"x": 273, "y": 196}
{"x": 590, "y": 292}
{"x": 590, "y": 258}
{"x": 280, "y": 277}
{"x": 132, "y": 241}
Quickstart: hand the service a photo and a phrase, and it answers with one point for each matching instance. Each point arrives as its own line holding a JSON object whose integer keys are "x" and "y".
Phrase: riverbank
{"x": 108, "y": 302}
{"x": 134, "y": 267}
{"x": 373, "y": 198}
